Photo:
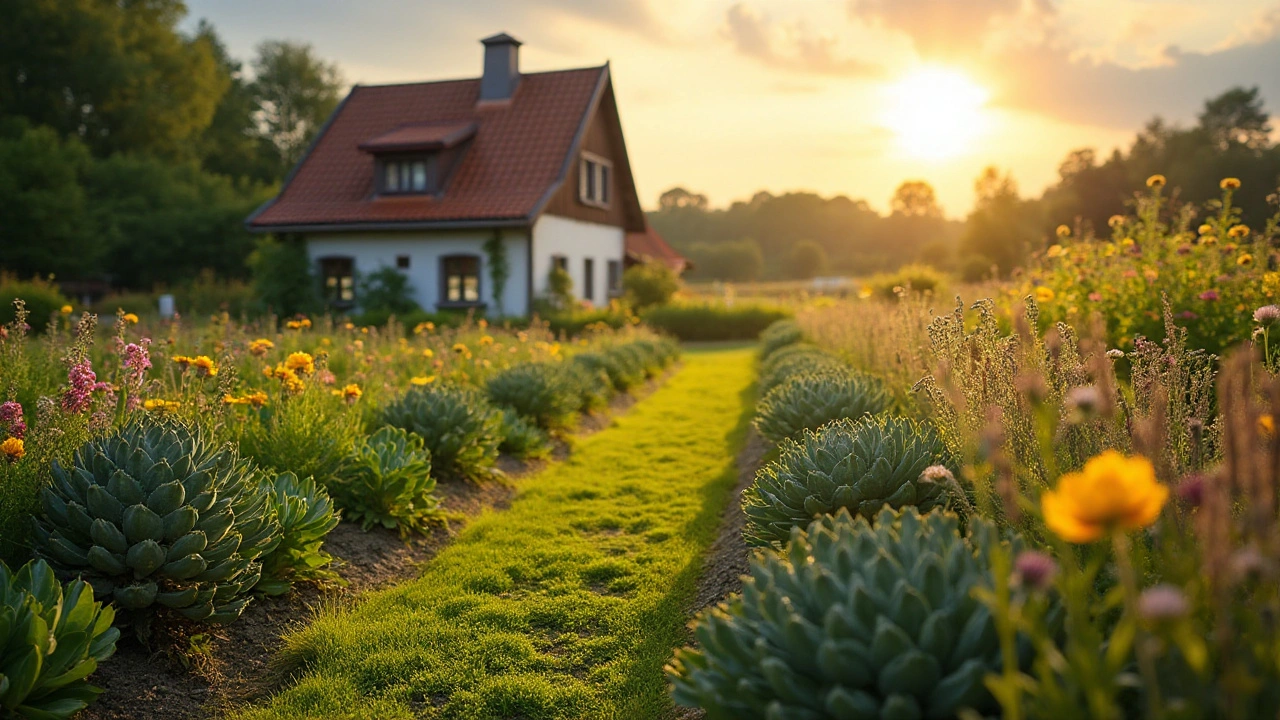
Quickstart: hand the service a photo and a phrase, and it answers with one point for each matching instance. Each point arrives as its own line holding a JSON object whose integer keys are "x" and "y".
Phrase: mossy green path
{"x": 565, "y": 605}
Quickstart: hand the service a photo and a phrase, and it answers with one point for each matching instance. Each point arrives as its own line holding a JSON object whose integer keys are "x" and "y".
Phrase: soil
{"x": 206, "y": 671}
{"x": 726, "y": 560}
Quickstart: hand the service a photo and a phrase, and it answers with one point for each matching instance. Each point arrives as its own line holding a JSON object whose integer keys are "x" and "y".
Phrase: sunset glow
{"x": 936, "y": 113}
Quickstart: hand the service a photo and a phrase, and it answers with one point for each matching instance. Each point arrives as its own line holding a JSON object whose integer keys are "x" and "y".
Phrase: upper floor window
{"x": 594, "y": 178}
{"x": 408, "y": 175}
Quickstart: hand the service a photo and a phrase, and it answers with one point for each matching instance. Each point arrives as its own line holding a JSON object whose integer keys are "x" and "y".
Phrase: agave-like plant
{"x": 779, "y": 335}
{"x": 542, "y": 392}
{"x": 458, "y": 427}
{"x": 854, "y": 621}
{"x": 52, "y": 637}
{"x": 305, "y": 513}
{"x": 784, "y": 365}
{"x": 807, "y": 402}
{"x": 857, "y": 465}
{"x": 156, "y": 515}
{"x": 390, "y": 483}
{"x": 522, "y": 439}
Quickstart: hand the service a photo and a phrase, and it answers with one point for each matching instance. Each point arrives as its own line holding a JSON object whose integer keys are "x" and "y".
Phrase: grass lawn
{"x": 565, "y": 605}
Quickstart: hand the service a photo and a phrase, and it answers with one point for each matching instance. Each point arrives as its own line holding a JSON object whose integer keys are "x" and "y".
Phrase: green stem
{"x": 1146, "y": 661}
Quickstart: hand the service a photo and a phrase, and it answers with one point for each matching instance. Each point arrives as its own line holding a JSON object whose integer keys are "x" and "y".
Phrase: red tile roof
{"x": 515, "y": 160}
{"x": 420, "y": 136}
{"x": 648, "y": 246}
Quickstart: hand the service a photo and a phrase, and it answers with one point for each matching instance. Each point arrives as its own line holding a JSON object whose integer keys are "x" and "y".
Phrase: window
{"x": 402, "y": 262}
{"x": 338, "y": 277}
{"x": 406, "y": 175}
{"x": 589, "y": 279}
{"x": 594, "y": 175}
{"x": 460, "y": 279}
{"x": 614, "y": 270}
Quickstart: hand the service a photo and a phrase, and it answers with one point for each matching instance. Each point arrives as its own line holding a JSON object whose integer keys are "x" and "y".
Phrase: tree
{"x": 808, "y": 260}
{"x": 649, "y": 284}
{"x": 282, "y": 280}
{"x": 231, "y": 145}
{"x": 296, "y": 92}
{"x": 678, "y": 197}
{"x": 386, "y": 290}
{"x": 915, "y": 198}
{"x": 118, "y": 75}
{"x": 739, "y": 261}
{"x": 1236, "y": 117}
{"x": 996, "y": 233}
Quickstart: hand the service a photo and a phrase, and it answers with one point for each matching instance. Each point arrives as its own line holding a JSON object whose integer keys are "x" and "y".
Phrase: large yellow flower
{"x": 204, "y": 366}
{"x": 259, "y": 347}
{"x": 1044, "y": 294}
{"x": 1156, "y": 181}
{"x": 12, "y": 449}
{"x": 1230, "y": 183}
{"x": 301, "y": 363}
{"x": 1112, "y": 491}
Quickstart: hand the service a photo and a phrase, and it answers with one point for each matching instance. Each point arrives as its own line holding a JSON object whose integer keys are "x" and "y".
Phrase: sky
{"x": 852, "y": 97}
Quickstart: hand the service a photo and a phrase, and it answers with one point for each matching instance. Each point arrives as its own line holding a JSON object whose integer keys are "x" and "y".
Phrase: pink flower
{"x": 11, "y": 418}
{"x": 1095, "y": 296}
{"x": 1187, "y": 315}
{"x": 82, "y": 382}
{"x": 1209, "y": 295}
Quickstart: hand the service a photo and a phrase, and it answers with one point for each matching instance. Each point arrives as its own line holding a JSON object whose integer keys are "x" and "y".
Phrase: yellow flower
{"x": 1245, "y": 259}
{"x": 204, "y": 366}
{"x": 293, "y": 325}
{"x": 351, "y": 393}
{"x": 1209, "y": 240}
{"x": 301, "y": 363}
{"x": 1056, "y": 250}
{"x": 1115, "y": 220}
{"x": 1128, "y": 242}
{"x": 459, "y": 348}
{"x": 259, "y": 347}
{"x": 428, "y": 353}
{"x": 130, "y": 318}
{"x": 1238, "y": 231}
{"x": 1111, "y": 492}
{"x": 1044, "y": 294}
{"x": 483, "y": 323}
{"x": 1206, "y": 229}
{"x": 486, "y": 340}
{"x": 423, "y": 379}
{"x": 1230, "y": 184}
{"x": 182, "y": 360}
{"x": 161, "y": 405}
{"x": 1063, "y": 231}
{"x": 12, "y": 449}
{"x": 1266, "y": 425}
{"x": 1151, "y": 274}
{"x": 1156, "y": 181}
{"x": 66, "y": 310}
{"x": 423, "y": 327}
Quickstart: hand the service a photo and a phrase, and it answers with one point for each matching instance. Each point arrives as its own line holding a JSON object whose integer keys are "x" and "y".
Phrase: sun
{"x": 936, "y": 113}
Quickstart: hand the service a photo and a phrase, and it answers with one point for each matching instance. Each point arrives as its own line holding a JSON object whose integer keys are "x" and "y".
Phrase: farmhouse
{"x": 448, "y": 181}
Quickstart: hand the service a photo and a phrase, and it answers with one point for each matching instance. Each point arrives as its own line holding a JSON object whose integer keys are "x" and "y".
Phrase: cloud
{"x": 940, "y": 27}
{"x": 790, "y": 47}
{"x": 630, "y": 15}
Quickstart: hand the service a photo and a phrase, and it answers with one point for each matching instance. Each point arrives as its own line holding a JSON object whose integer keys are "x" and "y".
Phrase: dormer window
{"x": 594, "y": 177}
{"x": 418, "y": 159}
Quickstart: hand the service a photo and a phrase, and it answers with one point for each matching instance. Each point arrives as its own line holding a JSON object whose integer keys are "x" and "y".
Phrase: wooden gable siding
{"x": 604, "y": 138}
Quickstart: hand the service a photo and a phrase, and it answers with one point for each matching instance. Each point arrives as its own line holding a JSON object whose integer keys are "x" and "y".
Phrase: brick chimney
{"x": 501, "y": 68}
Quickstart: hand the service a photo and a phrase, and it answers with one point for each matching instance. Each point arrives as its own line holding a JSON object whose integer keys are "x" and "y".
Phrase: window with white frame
{"x": 595, "y": 175}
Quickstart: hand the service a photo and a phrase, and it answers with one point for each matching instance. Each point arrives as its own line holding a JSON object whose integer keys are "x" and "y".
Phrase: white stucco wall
{"x": 575, "y": 240}
{"x": 374, "y": 250}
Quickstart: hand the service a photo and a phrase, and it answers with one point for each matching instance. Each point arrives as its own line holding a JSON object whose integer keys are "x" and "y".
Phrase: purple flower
{"x": 1209, "y": 295}
{"x": 1163, "y": 602}
{"x": 1188, "y": 315}
{"x": 1034, "y": 569}
{"x": 11, "y": 419}
{"x": 1191, "y": 490}
{"x": 82, "y": 381}
{"x": 1267, "y": 315}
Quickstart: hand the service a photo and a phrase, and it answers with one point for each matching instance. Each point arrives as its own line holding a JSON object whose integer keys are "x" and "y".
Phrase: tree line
{"x": 803, "y": 235}
{"x": 131, "y": 151}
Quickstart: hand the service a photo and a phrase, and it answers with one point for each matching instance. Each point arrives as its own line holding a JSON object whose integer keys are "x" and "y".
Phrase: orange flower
{"x": 204, "y": 366}
{"x": 12, "y": 449}
{"x": 130, "y": 318}
{"x": 1230, "y": 183}
{"x": 1156, "y": 181}
{"x": 1244, "y": 260}
{"x": 1111, "y": 492}
{"x": 259, "y": 347}
{"x": 301, "y": 363}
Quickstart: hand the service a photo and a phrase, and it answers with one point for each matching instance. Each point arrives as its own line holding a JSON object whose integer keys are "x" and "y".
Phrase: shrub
{"x": 42, "y": 298}
{"x": 458, "y": 427}
{"x": 542, "y": 392}
{"x": 305, "y": 514}
{"x": 157, "y": 515}
{"x": 913, "y": 278}
{"x": 522, "y": 439}
{"x": 591, "y": 387}
{"x": 622, "y": 376}
{"x": 649, "y": 284}
{"x": 387, "y": 290}
{"x": 310, "y": 434}
{"x": 854, "y": 621}
{"x": 53, "y": 637}
{"x": 778, "y": 335}
{"x": 692, "y": 321}
{"x": 807, "y": 402}
{"x": 860, "y": 466}
{"x": 389, "y": 483}
{"x": 282, "y": 280}
{"x": 572, "y": 321}
{"x": 804, "y": 360}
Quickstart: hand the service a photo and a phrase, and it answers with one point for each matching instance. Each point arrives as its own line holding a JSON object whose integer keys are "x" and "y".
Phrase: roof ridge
{"x": 475, "y": 79}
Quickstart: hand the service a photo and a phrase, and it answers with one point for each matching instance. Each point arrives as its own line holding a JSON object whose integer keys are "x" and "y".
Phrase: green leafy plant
{"x": 495, "y": 250}
{"x": 794, "y": 361}
{"x": 41, "y": 297}
{"x": 807, "y": 402}
{"x": 858, "y": 465}
{"x": 52, "y": 637}
{"x": 389, "y": 483}
{"x": 523, "y": 439}
{"x": 305, "y": 514}
{"x": 649, "y": 284}
{"x": 713, "y": 320}
{"x": 310, "y": 434}
{"x": 591, "y": 386}
{"x": 542, "y": 392}
{"x": 458, "y": 427}
{"x": 853, "y": 621}
{"x": 157, "y": 515}
{"x": 387, "y": 291}
{"x": 778, "y": 335}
